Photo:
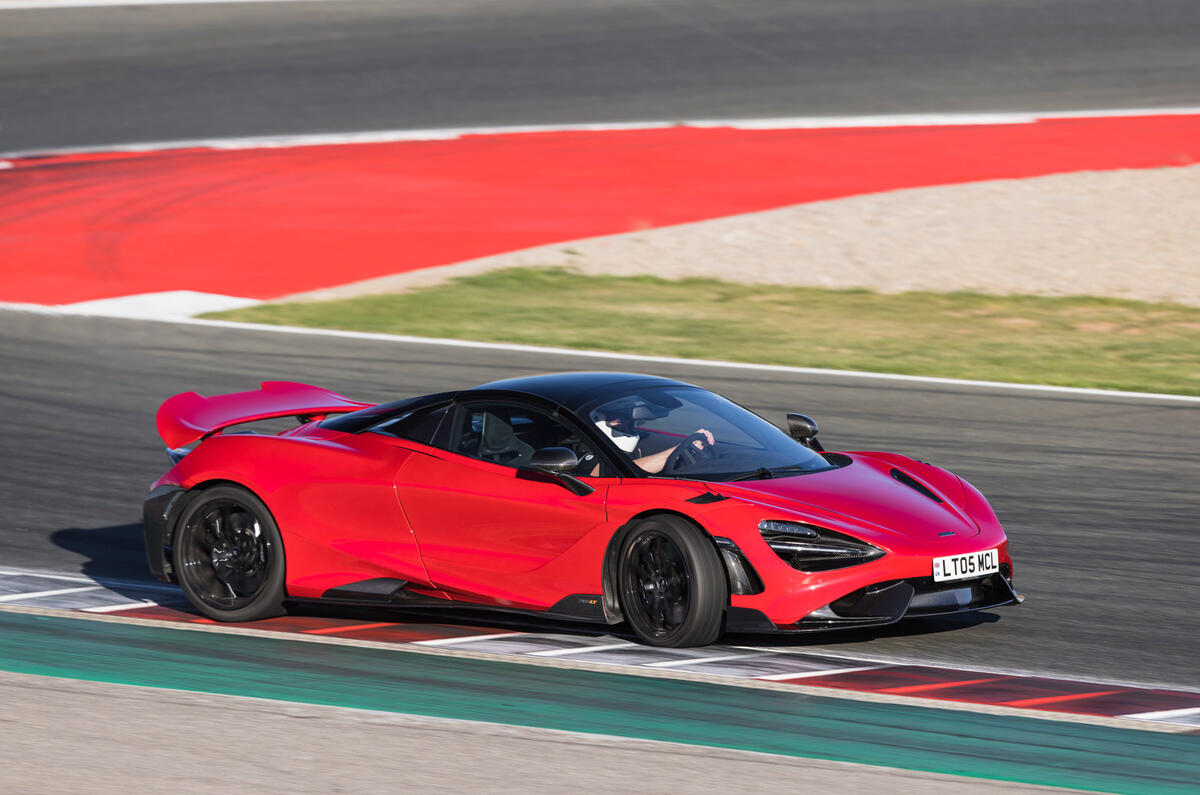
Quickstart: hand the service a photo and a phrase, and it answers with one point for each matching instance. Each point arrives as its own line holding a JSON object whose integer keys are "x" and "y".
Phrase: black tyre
{"x": 671, "y": 584}
{"x": 229, "y": 556}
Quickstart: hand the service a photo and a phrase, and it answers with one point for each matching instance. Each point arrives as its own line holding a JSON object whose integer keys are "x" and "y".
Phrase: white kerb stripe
{"x": 580, "y": 650}
{"x": 1166, "y": 714}
{"x": 39, "y": 575}
{"x": 18, "y": 597}
{"x": 705, "y": 660}
{"x": 467, "y": 639}
{"x": 823, "y": 672}
{"x": 122, "y": 606}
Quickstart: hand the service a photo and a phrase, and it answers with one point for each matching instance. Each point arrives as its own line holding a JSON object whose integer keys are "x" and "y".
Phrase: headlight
{"x": 811, "y": 548}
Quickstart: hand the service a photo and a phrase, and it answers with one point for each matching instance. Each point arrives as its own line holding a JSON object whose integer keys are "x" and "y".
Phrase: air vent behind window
{"x": 914, "y": 484}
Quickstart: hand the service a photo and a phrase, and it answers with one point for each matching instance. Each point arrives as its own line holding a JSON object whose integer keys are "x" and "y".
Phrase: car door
{"x": 491, "y": 530}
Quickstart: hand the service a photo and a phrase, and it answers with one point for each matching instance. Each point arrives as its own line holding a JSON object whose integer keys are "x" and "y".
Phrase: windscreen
{"x": 687, "y": 432}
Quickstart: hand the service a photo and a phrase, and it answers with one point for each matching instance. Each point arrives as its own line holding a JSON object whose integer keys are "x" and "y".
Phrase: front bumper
{"x": 887, "y": 602}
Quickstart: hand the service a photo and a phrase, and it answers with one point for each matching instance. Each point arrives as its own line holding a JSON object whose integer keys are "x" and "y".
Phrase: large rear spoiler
{"x": 187, "y": 417}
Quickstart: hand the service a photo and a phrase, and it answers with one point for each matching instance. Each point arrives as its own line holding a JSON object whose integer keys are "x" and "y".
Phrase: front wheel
{"x": 229, "y": 556}
{"x": 671, "y": 584}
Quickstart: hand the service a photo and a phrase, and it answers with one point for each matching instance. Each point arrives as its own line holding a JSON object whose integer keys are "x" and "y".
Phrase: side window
{"x": 417, "y": 426}
{"x": 509, "y": 434}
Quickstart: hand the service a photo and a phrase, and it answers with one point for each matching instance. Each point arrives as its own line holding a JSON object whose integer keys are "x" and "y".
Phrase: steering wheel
{"x": 687, "y": 453}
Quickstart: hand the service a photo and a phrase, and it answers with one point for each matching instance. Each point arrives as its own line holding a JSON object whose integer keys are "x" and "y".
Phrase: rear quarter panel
{"x": 332, "y": 496}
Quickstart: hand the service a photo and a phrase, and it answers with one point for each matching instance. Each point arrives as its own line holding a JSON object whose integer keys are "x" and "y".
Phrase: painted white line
{"x": 122, "y": 606}
{"x": 467, "y": 639}
{"x": 64, "y": 577}
{"x": 580, "y": 650}
{"x": 107, "y": 582}
{"x": 703, "y": 660}
{"x": 51, "y": 5}
{"x": 631, "y": 357}
{"x": 20, "y": 597}
{"x": 452, "y": 133}
{"x": 822, "y": 672}
{"x": 1166, "y": 714}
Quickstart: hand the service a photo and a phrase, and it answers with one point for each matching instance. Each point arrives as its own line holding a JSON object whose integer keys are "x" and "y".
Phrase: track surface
{"x": 74, "y": 77}
{"x": 1097, "y": 493}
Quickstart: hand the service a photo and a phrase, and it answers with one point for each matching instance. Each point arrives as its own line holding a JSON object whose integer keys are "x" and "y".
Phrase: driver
{"x": 619, "y": 424}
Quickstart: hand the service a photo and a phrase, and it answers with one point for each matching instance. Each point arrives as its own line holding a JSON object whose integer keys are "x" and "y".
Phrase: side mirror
{"x": 555, "y": 460}
{"x": 554, "y": 464}
{"x": 803, "y": 429}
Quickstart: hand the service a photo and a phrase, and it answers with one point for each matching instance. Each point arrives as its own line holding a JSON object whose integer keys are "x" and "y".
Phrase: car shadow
{"x": 458, "y": 616}
{"x": 516, "y": 622}
{"x": 907, "y": 628}
{"x": 114, "y": 556}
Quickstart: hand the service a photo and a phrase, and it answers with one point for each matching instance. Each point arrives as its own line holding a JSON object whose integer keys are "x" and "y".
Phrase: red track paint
{"x": 337, "y": 630}
{"x": 937, "y": 686}
{"x": 265, "y": 223}
{"x": 1038, "y": 702}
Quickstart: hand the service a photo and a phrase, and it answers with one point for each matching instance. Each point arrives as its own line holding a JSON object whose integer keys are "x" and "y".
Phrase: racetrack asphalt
{"x": 1097, "y": 493}
{"x": 94, "y": 76}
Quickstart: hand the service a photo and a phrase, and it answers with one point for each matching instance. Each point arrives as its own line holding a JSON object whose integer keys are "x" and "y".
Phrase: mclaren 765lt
{"x": 603, "y": 497}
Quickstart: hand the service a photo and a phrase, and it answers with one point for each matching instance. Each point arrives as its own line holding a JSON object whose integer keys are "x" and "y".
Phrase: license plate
{"x": 964, "y": 567}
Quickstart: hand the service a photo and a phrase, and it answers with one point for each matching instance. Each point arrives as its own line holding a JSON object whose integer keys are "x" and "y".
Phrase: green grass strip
{"x": 1006, "y": 748}
{"x": 1080, "y": 342}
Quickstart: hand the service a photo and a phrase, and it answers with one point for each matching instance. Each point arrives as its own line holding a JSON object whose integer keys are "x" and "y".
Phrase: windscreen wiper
{"x": 762, "y": 473}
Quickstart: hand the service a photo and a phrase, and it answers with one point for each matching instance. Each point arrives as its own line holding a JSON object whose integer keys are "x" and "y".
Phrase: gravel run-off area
{"x": 1121, "y": 234}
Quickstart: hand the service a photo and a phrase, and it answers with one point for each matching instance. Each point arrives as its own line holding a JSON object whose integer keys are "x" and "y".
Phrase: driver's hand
{"x": 708, "y": 435}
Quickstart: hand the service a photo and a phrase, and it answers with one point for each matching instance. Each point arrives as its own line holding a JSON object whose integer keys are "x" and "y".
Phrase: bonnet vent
{"x": 914, "y": 484}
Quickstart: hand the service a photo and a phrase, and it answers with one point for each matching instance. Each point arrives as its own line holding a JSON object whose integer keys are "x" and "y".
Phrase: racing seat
{"x": 500, "y": 445}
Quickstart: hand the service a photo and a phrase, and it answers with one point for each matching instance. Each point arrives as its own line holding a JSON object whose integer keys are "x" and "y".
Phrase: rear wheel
{"x": 229, "y": 556}
{"x": 671, "y": 584}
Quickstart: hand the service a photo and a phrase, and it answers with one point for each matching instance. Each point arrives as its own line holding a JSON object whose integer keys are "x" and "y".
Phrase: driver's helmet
{"x": 619, "y": 419}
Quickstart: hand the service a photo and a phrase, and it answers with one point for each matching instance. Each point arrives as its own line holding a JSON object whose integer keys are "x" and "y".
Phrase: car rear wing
{"x": 187, "y": 417}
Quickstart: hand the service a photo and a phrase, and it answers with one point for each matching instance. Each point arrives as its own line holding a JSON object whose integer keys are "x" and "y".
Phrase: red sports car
{"x": 602, "y": 497}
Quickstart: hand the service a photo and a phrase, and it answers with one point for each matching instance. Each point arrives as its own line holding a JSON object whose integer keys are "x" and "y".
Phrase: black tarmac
{"x": 92, "y": 76}
{"x": 1099, "y": 494}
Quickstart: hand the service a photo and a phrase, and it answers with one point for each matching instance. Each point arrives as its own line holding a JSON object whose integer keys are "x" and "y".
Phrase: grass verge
{"x": 1078, "y": 341}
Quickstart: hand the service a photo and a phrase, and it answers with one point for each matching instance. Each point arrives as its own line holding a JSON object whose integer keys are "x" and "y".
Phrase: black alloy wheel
{"x": 229, "y": 556}
{"x": 671, "y": 584}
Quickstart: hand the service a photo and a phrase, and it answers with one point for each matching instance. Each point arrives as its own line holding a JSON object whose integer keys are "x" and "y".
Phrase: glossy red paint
{"x": 488, "y": 535}
{"x": 188, "y": 416}
{"x": 853, "y": 500}
{"x": 358, "y": 506}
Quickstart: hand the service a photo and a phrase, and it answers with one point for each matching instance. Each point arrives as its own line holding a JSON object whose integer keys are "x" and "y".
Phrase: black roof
{"x": 573, "y": 390}
{"x": 570, "y": 390}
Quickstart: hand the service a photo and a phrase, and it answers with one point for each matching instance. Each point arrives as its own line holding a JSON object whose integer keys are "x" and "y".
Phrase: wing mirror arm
{"x": 556, "y": 463}
{"x": 803, "y": 429}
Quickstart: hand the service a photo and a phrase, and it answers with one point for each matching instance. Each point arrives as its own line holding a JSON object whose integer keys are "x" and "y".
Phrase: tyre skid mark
{"x": 616, "y": 181}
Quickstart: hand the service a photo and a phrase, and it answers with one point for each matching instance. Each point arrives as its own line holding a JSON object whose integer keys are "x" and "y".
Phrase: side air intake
{"x": 914, "y": 484}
